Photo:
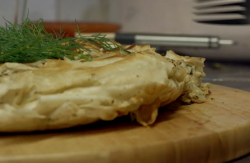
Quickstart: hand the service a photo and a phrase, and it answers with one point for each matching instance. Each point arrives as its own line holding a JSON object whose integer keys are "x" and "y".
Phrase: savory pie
{"x": 55, "y": 94}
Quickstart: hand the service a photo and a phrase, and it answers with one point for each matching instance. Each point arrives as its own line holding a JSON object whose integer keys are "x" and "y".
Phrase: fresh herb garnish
{"x": 30, "y": 42}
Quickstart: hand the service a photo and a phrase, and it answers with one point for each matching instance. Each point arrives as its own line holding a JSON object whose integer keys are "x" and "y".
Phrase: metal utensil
{"x": 224, "y": 12}
{"x": 187, "y": 41}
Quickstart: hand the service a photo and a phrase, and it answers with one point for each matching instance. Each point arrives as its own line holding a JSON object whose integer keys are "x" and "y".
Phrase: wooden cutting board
{"x": 215, "y": 131}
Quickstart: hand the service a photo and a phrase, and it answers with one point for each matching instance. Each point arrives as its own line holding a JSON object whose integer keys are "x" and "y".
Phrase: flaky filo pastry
{"x": 62, "y": 93}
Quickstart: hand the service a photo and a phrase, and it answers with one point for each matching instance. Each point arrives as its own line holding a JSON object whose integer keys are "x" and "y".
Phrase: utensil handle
{"x": 172, "y": 40}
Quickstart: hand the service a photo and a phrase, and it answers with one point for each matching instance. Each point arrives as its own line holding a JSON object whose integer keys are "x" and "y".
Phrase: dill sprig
{"x": 30, "y": 42}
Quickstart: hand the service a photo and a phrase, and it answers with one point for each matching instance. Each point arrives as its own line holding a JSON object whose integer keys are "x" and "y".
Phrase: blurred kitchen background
{"x": 226, "y": 64}
{"x": 175, "y": 17}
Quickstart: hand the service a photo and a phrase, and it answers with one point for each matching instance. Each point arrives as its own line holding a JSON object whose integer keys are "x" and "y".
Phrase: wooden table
{"x": 215, "y": 131}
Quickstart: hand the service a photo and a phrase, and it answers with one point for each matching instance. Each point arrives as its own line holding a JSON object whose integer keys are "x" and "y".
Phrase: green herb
{"x": 30, "y": 42}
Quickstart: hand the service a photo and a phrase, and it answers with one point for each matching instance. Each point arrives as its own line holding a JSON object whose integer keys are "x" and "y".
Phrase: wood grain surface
{"x": 215, "y": 131}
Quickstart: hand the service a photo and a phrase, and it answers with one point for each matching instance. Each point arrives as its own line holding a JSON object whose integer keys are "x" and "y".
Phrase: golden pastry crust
{"x": 62, "y": 93}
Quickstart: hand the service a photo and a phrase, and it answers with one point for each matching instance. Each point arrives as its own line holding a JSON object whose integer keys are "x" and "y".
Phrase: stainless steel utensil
{"x": 224, "y": 12}
{"x": 187, "y": 41}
